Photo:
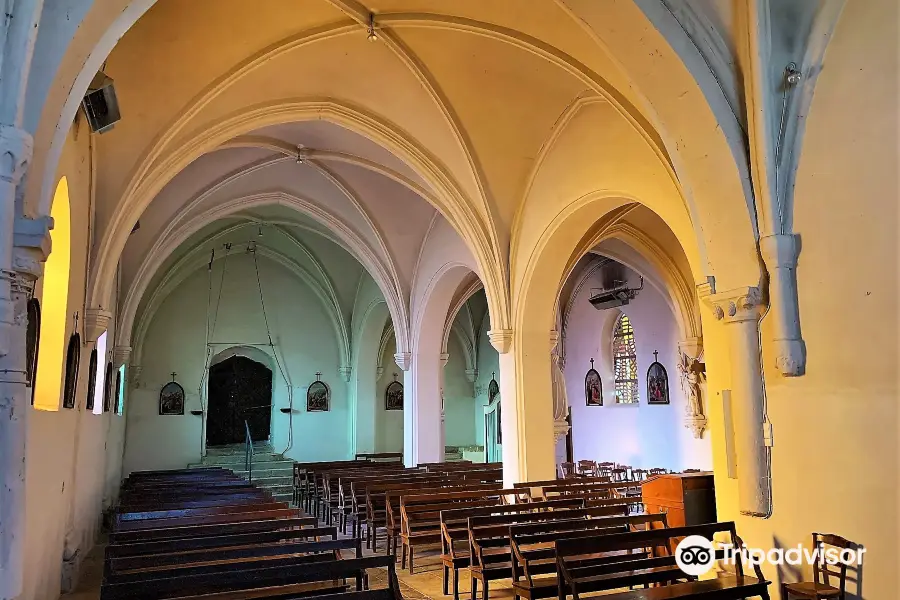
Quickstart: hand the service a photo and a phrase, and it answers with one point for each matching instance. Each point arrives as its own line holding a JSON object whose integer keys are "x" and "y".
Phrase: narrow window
{"x": 92, "y": 381}
{"x": 73, "y": 358}
{"x": 625, "y": 362}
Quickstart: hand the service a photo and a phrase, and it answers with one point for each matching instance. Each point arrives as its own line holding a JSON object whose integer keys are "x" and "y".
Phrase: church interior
{"x": 408, "y": 299}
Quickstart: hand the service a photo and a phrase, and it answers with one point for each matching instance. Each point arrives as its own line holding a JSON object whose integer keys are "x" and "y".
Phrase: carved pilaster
{"x": 471, "y": 375}
{"x": 501, "y": 339}
{"x": 740, "y": 304}
{"x": 345, "y": 372}
{"x": 403, "y": 360}
{"x": 379, "y": 371}
{"x": 96, "y": 321}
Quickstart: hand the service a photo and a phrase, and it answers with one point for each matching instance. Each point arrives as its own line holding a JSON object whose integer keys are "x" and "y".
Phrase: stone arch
{"x": 348, "y": 239}
{"x": 263, "y": 357}
{"x": 154, "y": 176}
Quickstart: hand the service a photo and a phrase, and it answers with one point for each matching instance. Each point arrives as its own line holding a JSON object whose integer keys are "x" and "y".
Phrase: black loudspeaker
{"x": 100, "y": 104}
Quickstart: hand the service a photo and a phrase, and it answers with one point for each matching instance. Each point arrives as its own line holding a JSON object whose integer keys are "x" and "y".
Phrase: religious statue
{"x": 560, "y": 400}
{"x": 692, "y": 373}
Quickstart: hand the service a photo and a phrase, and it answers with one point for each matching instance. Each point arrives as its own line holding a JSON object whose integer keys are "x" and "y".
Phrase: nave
{"x": 206, "y": 532}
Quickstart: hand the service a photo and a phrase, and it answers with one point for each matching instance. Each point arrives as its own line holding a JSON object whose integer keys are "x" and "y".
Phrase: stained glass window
{"x": 625, "y": 362}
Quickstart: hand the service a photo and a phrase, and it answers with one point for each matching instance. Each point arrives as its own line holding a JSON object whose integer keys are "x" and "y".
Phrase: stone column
{"x": 739, "y": 310}
{"x": 526, "y": 397}
{"x": 421, "y": 407}
{"x": 32, "y": 245}
{"x": 444, "y": 358}
{"x": 780, "y": 253}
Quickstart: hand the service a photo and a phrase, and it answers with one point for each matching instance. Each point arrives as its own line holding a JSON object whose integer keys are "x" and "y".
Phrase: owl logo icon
{"x": 695, "y": 555}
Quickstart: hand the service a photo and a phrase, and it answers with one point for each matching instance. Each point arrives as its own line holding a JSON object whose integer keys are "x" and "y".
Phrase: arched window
{"x": 32, "y": 339}
{"x": 99, "y": 377}
{"x": 73, "y": 358}
{"x": 54, "y": 306}
{"x": 92, "y": 381}
{"x": 107, "y": 387}
{"x": 625, "y": 362}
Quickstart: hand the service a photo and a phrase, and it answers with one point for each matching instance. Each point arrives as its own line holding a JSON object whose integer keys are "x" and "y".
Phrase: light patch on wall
{"x": 99, "y": 376}
{"x": 54, "y": 305}
{"x": 120, "y": 390}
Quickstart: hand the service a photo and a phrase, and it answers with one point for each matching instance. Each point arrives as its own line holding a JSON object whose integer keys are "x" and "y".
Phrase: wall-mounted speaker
{"x": 100, "y": 104}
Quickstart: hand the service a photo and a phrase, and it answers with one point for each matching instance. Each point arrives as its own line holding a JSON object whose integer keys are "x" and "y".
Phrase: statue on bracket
{"x": 593, "y": 388}
{"x": 657, "y": 382}
{"x": 393, "y": 395}
{"x": 318, "y": 396}
{"x": 692, "y": 373}
{"x": 171, "y": 398}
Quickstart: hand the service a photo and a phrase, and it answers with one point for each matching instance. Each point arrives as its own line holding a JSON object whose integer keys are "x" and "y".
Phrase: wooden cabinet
{"x": 686, "y": 498}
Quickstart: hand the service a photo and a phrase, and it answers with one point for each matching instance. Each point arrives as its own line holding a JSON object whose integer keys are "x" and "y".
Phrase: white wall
{"x": 305, "y": 342}
{"x": 639, "y": 435}
{"x": 488, "y": 363}
{"x": 459, "y": 401}
{"x": 388, "y": 423}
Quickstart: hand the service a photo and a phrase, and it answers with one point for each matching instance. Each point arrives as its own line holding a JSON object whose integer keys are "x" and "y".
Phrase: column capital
{"x": 444, "y": 358}
{"x": 31, "y": 246}
{"x": 471, "y": 375}
{"x": 379, "y": 371}
{"x": 501, "y": 339}
{"x": 737, "y": 305}
{"x": 345, "y": 372}
{"x": 403, "y": 360}
{"x": 96, "y": 321}
{"x": 16, "y": 146}
{"x": 691, "y": 347}
{"x": 121, "y": 355}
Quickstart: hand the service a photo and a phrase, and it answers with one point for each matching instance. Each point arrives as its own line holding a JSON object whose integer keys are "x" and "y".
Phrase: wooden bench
{"x": 273, "y": 581}
{"x": 159, "y": 546}
{"x": 455, "y": 533}
{"x": 577, "y": 578}
{"x": 147, "y": 566}
{"x": 421, "y": 514}
{"x": 533, "y": 551}
{"x": 489, "y": 538}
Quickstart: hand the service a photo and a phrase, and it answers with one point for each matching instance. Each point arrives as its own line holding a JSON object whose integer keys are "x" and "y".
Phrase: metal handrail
{"x": 248, "y": 452}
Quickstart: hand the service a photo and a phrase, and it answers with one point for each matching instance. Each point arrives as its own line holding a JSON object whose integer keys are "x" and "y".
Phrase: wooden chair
{"x": 567, "y": 470}
{"x": 586, "y": 467}
{"x": 819, "y": 587}
{"x": 620, "y": 474}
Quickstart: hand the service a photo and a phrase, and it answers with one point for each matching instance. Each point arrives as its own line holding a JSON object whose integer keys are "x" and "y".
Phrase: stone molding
{"x": 345, "y": 372}
{"x": 16, "y": 147}
{"x": 96, "y": 321}
{"x": 501, "y": 339}
{"x": 121, "y": 355}
{"x": 403, "y": 360}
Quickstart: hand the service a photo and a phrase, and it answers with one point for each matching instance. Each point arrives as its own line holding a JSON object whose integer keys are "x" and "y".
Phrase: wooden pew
{"x": 489, "y": 537}
{"x": 455, "y": 533}
{"x": 533, "y": 552}
{"x": 275, "y": 534}
{"x": 271, "y": 581}
{"x": 148, "y": 566}
{"x": 576, "y": 577}
{"x": 420, "y": 514}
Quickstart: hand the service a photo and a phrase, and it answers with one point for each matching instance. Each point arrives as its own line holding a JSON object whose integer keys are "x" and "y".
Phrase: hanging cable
{"x": 287, "y": 383}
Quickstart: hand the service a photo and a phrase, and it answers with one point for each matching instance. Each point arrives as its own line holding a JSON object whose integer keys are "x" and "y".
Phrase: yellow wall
{"x": 54, "y": 295}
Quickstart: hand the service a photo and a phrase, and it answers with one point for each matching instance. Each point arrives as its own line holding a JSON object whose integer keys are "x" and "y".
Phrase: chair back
{"x": 830, "y": 560}
{"x": 567, "y": 470}
{"x": 586, "y": 467}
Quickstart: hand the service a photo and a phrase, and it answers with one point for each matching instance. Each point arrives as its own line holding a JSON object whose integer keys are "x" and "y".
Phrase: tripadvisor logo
{"x": 695, "y": 555}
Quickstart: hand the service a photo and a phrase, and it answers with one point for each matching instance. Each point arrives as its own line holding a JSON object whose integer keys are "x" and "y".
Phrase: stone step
{"x": 266, "y": 473}
{"x": 276, "y": 490}
{"x": 269, "y": 481}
